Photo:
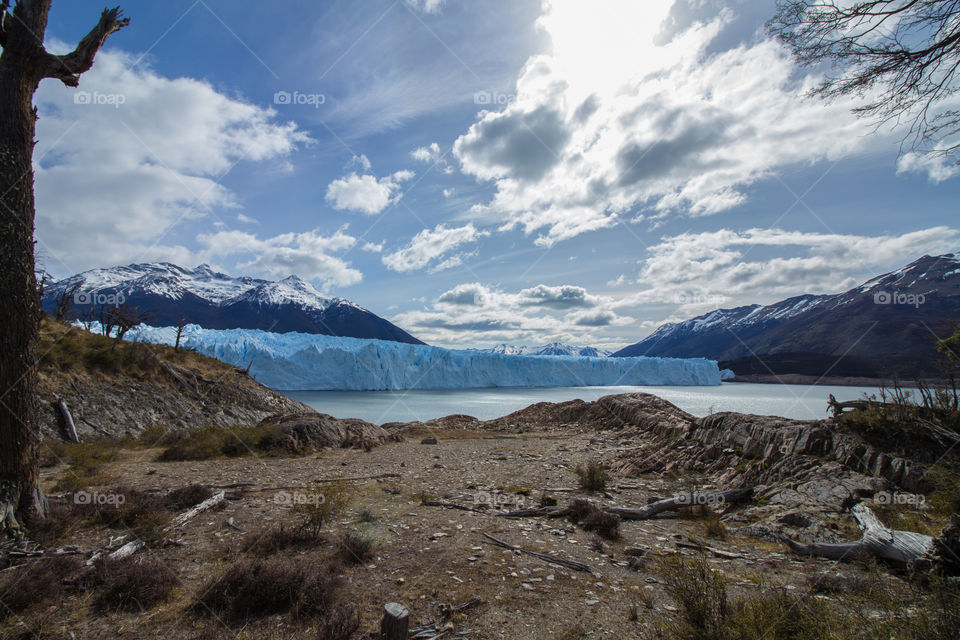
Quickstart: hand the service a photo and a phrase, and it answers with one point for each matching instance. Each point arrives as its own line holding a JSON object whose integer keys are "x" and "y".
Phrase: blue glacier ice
{"x": 303, "y": 361}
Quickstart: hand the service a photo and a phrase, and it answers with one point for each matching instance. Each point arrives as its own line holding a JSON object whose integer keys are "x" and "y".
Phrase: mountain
{"x": 885, "y": 327}
{"x": 215, "y": 300}
{"x": 552, "y": 349}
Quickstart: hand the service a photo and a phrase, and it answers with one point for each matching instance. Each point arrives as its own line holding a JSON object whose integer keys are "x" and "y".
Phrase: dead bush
{"x": 188, "y": 496}
{"x": 256, "y": 588}
{"x": 279, "y": 539}
{"x": 132, "y": 584}
{"x": 38, "y": 582}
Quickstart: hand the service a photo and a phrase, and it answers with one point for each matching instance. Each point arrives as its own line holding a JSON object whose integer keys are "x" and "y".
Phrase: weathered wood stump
{"x": 396, "y": 621}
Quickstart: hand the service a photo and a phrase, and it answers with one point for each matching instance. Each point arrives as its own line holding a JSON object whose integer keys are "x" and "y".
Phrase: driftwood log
{"x": 903, "y": 548}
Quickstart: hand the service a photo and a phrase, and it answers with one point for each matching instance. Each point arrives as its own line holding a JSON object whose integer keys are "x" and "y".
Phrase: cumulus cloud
{"x": 937, "y": 167}
{"x": 562, "y": 297}
{"x": 476, "y": 313}
{"x": 307, "y": 255}
{"x": 430, "y": 153}
{"x": 619, "y": 120}
{"x": 366, "y": 193}
{"x": 430, "y": 245}
{"x": 372, "y": 247}
{"x": 129, "y": 155}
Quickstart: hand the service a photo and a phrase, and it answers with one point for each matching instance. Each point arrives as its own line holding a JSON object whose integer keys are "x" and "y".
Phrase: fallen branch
{"x": 904, "y": 548}
{"x": 643, "y": 513}
{"x": 546, "y": 557}
{"x": 376, "y": 477}
{"x": 679, "y": 502}
{"x": 207, "y": 504}
{"x": 449, "y": 505}
{"x": 176, "y": 376}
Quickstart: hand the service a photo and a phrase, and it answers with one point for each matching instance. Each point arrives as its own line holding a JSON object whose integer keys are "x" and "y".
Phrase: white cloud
{"x": 426, "y": 6}
{"x": 372, "y": 247}
{"x": 478, "y": 314}
{"x": 303, "y": 254}
{"x": 246, "y": 219}
{"x": 430, "y": 245}
{"x": 112, "y": 179}
{"x": 613, "y": 122}
{"x": 725, "y": 268}
{"x": 430, "y": 153}
{"x": 366, "y": 193}
{"x": 361, "y": 161}
{"x": 937, "y": 167}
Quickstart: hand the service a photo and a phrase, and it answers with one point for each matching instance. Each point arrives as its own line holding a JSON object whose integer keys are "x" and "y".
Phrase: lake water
{"x": 787, "y": 400}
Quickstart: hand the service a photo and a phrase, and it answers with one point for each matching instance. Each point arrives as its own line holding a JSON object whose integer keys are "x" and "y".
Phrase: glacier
{"x": 306, "y": 361}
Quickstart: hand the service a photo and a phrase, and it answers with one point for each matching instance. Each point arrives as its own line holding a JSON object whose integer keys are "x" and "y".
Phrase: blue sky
{"x": 478, "y": 172}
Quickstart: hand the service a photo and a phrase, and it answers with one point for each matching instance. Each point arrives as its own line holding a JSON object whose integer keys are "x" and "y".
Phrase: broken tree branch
{"x": 904, "y": 548}
{"x": 68, "y": 424}
{"x": 546, "y": 557}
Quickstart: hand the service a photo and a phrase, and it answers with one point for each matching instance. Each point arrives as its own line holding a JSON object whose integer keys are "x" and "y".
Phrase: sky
{"x": 478, "y": 172}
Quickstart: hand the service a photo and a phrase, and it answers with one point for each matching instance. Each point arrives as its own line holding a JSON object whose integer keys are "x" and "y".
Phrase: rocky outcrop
{"x": 319, "y": 430}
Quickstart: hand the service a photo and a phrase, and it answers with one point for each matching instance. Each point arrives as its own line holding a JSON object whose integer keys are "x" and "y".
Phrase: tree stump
{"x": 396, "y": 621}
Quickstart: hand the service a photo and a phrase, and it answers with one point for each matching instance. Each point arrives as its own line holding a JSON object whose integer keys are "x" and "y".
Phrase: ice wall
{"x": 295, "y": 361}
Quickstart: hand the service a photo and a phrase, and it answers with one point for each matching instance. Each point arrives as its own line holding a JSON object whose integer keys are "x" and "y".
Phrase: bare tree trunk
{"x": 23, "y": 64}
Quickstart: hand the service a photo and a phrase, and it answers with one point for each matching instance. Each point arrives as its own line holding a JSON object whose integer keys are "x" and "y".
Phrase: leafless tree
{"x": 901, "y": 56}
{"x": 24, "y": 63}
{"x": 64, "y": 299}
{"x": 181, "y": 323}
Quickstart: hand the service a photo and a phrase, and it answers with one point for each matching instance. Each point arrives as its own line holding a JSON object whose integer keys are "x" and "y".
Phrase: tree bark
{"x": 23, "y": 64}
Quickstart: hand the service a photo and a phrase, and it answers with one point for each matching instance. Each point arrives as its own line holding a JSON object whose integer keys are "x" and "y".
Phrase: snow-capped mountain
{"x": 886, "y": 326}
{"x": 215, "y": 300}
{"x": 552, "y": 349}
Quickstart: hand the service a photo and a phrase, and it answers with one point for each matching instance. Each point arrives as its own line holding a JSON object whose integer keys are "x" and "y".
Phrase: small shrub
{"x": 593, "y": 476}
{"x": 36, "y": 583}
{"x": 132, "y": 584}
{"x": 256, "y": 588}
{"x": 579, "y": 509}
{"x": 62, "y": 518}
{"x": 188, "y": 496}
{"x": 591, "y": 518}
{"x": 699, "y": 592}
{"x": 354, "y": 548}
{"x": 144, "y": 513}
{"x": 367, "y": 516}
{"x": 322, "y": 504}
{"x": 340, "y": 623}
{"x": 606, "y": 525}
{"x": 279, "y": 539}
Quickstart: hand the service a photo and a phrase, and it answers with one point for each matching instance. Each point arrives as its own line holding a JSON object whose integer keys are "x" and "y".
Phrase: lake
{"x": 787, "y": 400}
